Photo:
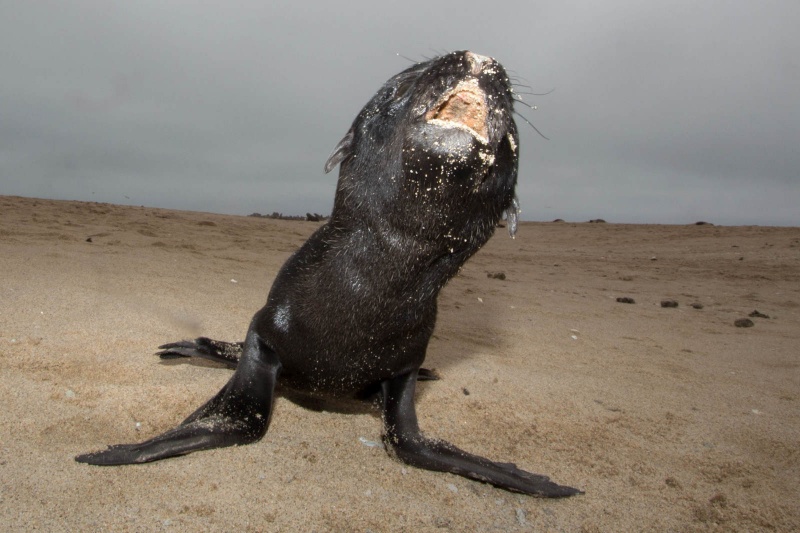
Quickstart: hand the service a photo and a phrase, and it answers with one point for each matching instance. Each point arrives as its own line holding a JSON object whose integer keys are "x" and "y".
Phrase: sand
{"x": 671, "y": 419}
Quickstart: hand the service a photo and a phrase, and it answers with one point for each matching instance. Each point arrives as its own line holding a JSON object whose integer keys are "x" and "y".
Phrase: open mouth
{"x": 463, "y": 107}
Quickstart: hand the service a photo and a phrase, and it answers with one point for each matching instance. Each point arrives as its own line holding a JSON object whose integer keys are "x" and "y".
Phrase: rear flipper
{"x": 227, "y": 353}
{"x": 410, "y": 446}
{"x": 238, "y": 414}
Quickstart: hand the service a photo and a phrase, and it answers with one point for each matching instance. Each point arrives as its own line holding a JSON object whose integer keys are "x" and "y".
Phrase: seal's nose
{"x": 477, "y": 62}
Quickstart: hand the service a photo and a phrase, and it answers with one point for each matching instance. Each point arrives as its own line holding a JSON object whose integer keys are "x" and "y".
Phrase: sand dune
{"x": 668, "y": 418}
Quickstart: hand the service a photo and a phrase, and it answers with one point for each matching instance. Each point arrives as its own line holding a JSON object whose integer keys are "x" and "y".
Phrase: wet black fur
{"x": 352, "y": 311}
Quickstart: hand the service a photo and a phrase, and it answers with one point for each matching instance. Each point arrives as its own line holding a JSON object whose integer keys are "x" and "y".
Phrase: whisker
{"x": 526, "y": 104}
{"x": 520, "y": 115}
{"x": 514, "y": 75}
{"x": 531, "y": 88}
{"x": 407, "y": 58}
{"x": 516, "y": 83}
{"x": 526, "y": 93}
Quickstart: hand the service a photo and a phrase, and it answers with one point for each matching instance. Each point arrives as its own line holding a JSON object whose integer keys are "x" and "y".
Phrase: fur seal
{"x": 427, "y": 170}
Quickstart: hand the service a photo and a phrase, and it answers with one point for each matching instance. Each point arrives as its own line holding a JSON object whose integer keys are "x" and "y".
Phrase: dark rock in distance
{"x": 669, "y": 303}
{"x": 757, "y": 314}
{"x": 496, "y": 275}
{"x": 744, "y": 323}
{"x": 626, "y": 300}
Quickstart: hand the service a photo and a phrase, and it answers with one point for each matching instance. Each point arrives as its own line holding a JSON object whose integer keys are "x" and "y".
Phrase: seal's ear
{"x": 342, "y": 150}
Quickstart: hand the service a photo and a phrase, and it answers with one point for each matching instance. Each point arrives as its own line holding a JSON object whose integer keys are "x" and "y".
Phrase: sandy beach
{"x": 669, "y": 418}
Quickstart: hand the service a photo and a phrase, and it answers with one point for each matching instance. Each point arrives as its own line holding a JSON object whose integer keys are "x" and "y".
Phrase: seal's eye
{"x": 403, "y": 89}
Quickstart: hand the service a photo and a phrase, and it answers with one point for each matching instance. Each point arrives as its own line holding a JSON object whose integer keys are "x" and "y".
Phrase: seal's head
{"x": 433, "y": 153}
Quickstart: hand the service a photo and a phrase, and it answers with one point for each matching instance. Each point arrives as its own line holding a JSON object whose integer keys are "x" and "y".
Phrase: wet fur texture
{"x": 427, "y": 169}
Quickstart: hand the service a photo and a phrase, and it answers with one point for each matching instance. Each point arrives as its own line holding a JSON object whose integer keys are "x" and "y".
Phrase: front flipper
{"x": 411, "y": 447}
{"x": 238, "y": 414}
{"x": 227, "y": 353}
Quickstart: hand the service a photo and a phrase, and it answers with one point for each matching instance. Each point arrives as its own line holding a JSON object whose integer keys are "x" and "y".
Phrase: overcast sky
{"x": 662, "y": 112}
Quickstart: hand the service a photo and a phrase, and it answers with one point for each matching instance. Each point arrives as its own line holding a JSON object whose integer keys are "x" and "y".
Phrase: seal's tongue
{"x": 463, "y": 107}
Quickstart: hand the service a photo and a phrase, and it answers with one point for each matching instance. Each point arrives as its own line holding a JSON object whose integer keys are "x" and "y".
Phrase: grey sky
{"x": 666, "y": 112}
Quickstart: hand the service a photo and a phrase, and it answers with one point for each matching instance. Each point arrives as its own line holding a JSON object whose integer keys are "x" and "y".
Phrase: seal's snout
{"x": 477, "y": 62}
{"x": 467, "y": 105}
